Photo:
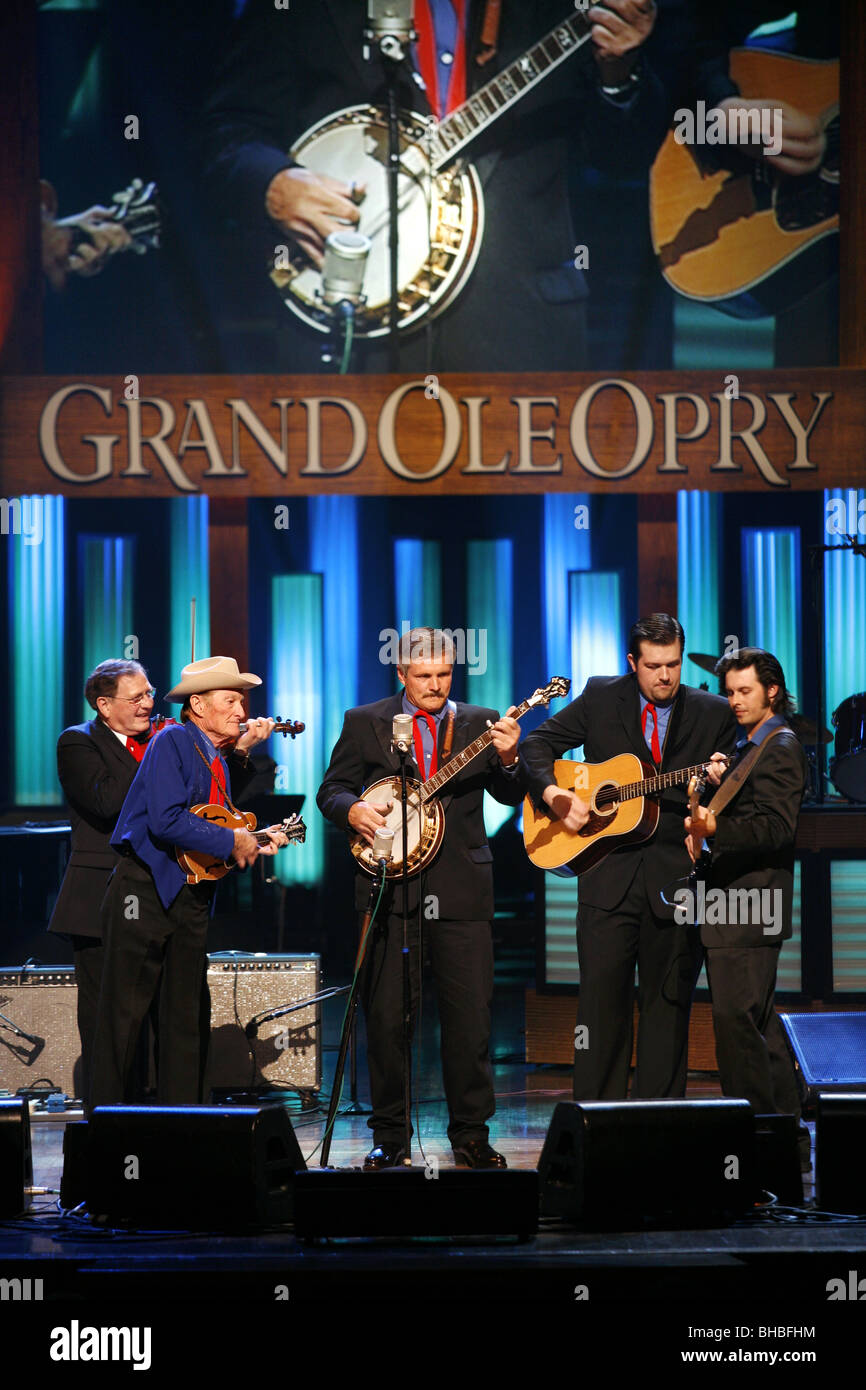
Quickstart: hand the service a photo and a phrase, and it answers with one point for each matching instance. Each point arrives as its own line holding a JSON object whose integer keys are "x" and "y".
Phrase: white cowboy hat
{"x": 211, "y": 673}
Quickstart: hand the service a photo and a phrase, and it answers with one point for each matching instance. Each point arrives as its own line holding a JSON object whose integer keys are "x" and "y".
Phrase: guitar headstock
{"x": 554, "y": 690}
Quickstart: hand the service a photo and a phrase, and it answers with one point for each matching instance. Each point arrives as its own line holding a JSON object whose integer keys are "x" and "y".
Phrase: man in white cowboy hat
{"x": 154, "y": 923}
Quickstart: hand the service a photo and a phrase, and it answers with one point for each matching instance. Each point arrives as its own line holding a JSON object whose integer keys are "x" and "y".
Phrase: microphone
{"x": 389, "y": 26}
{"x": 383, "y": 847}
{"x": 401, "y": 733}
{"x": 343, "y": 272}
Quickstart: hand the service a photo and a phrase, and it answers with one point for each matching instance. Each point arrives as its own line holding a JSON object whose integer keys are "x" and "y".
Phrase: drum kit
{"x": 848, "y": 764}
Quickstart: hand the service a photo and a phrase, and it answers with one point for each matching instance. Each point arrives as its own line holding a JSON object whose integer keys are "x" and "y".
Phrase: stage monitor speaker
{"x": 16, "y": 1156}
{"x": 840, "y": 1152}
{"x": 42, "y": 1002}
{"x": 192, "y": 1167}
{"x": 248, "y": 1054}
{"x": 416, "y": 1202}
{"x": 829, "y": 1049}
{"x": 669, "y": 1163}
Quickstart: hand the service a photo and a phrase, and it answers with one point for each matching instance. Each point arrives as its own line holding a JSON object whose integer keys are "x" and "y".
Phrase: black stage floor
{"x": 759, "y": 1285}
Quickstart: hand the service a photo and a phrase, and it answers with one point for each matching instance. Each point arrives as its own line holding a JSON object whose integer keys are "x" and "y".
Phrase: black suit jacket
{"x": 605, "y": 721}
{"x": 461, "y": 875}
{"x": 753, "y": 847}
{"x": 287, "y": 69}
{"x": 95, "y": 771}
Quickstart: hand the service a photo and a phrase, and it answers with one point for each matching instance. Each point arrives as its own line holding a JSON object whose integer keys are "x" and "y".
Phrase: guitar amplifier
{"x": 249, "y": 1049}
{"x": 41, "y": 1001}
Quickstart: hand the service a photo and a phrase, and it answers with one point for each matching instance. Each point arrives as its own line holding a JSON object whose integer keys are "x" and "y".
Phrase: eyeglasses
{"x": 149, "y": 694}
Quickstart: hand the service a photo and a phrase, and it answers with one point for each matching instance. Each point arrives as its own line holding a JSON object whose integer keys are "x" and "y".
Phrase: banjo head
{"x": 441, "y": 220}
{"x": 425, "y": 826}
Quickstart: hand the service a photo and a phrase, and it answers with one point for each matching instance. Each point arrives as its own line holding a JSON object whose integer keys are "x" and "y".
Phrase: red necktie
{"x": 419, "y": 746}
{"x": 656, "y": 750}
{"x": 137, "y": 749}
{"x": 427, "y": 58}
{"x": 217, "y": 794}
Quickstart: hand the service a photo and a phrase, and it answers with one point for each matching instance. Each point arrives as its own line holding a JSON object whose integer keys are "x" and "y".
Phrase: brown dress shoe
{"x": 477, "y": 1153}
{"x": 384, "y": 1156}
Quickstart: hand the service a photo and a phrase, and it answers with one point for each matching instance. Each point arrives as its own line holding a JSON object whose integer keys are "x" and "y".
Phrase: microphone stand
{"x": 350, "y": 1020}
{"x": 407, "y": 990}
{"x": 393, "y": 53}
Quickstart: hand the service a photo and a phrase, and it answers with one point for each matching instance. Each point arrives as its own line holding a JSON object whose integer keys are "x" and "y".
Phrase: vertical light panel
{"x": 105, "y": 586}
{"x": 771, "y": 597}
{"x": 844, "y": 597}
{"x": 594, "y": 625}
{"x": 190, "y": 579}
{"x": 565, "y": 547}
{"x": 417, "y": 584}
{"x": 848, "y": 917}
{"x": 560, "y": 930}
{"x": 333, "y": 551}
{"x": 488, "y": 642}
{"x": 296, "y": 683}
{"x": 699, "y": 579}
{"x": 38, "y": 623}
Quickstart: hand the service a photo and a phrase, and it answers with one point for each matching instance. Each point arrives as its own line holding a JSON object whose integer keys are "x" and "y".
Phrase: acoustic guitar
{"x": 622, "y": 812}
{"x": 730, "y": 230}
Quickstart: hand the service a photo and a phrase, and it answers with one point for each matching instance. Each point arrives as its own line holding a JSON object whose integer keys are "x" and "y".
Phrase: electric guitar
{"x": 441, "y": 206}
{"x": 622, "y": 812}
{"x": 732, "y": 231}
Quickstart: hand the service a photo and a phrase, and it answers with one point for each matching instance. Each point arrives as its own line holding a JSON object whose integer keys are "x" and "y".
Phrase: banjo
{"x": 441, "y": 205}
{"x": 425, "y": 821}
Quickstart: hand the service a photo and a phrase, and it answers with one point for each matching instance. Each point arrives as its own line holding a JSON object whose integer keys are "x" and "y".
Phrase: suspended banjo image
{"x": 441, "y": 206}
{"x": 425, "y": 817}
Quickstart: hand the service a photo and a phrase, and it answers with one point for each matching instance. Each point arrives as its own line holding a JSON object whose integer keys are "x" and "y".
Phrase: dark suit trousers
{"x": 87, "y": 953}
{"x": 156, "y": 950}
{"x": 753, "y": 1057}
{"x": 461, "y": 955}
{"x": 668, "y": 956}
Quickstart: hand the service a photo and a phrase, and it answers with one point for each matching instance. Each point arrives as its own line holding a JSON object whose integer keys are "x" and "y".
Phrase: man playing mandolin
{"x": 154, "y": 922}
{"x": 455, "y": 893}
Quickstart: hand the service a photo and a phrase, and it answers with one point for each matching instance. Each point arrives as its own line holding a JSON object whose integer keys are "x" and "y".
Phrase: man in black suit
{"x": 752, "y": 844}
{"x": 287, "y": 69}
{"x": 622, "y": 919}
{"x": 454, "y": 895}
{"x": 96, "y": 764}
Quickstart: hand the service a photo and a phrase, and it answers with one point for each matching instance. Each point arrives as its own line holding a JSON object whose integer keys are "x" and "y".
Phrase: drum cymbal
{"x": 704, "y": 660}
{"x": 806, "y": 731}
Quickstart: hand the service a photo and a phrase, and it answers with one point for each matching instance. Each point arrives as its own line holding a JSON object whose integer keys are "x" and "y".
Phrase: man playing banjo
{"x": 453, "y": 896}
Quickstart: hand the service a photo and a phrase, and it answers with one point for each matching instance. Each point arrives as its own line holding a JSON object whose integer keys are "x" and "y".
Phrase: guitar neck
{"x": 460, "y": 760}
{"x": 630, "y": 790}
{"x": 487, "y": 104}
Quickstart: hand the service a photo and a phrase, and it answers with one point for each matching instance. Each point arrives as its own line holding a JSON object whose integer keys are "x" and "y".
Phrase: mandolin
{"x": 206, "y": 868}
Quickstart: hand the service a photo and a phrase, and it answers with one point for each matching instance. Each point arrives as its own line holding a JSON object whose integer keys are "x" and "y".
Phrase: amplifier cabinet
{"x": 41, "y": 1001}
{"x": 248, "y": 1049}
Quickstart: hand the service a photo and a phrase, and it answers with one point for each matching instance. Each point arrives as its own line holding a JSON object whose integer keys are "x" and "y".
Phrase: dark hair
{"x": 660, "y": 629}
{"x": 769, "y": 672}
{"x": 104, "y": 679}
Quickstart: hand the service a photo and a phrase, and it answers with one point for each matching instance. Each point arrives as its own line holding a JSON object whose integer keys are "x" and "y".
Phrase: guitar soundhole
{"x": 601, "y": 815}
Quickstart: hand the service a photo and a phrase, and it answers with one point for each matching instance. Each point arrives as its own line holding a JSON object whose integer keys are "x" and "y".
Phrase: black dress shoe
{"x": 477, "y": 1153}
{"x": 384, "y": 1156}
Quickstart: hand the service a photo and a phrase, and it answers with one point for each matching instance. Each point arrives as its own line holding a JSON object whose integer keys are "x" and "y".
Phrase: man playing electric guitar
{"x": 154, "y": 922}
{"x": 622, "y": 919}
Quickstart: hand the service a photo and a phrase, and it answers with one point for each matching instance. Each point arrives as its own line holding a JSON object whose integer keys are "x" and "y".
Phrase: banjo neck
{"x": 434, "y": 784}
{"x": 488, "y": 103}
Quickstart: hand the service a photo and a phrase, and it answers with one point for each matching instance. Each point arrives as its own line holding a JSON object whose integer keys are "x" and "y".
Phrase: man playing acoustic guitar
{"x": 622, "y": 920}
{"x": 154, "y": 922}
